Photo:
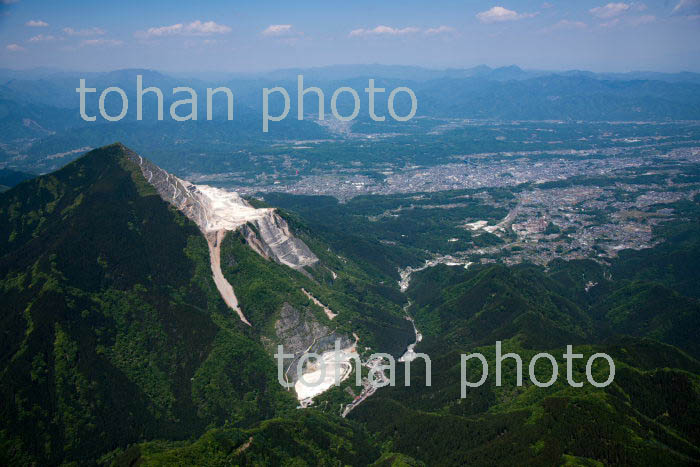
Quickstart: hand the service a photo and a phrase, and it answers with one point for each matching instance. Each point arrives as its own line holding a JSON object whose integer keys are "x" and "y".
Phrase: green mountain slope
{"x": 643, "y": 319}
{"x": 10, "y": 178}
{"x": 115, "y": 333}
{"x": 648, "y": 415}
{"x": 118, "y": 348}
{"x": 307, "y": 439}
{"x": 113, "y": 330}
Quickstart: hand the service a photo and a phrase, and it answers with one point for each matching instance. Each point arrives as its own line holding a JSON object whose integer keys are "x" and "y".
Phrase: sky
{"x": 238, "y": 36}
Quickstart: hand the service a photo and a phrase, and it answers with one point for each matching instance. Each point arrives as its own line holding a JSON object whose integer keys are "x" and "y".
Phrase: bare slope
{"x": 217, "y": 211}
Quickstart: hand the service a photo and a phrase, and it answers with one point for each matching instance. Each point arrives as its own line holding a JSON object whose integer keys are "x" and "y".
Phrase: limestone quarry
{"x": 217, "y": 211}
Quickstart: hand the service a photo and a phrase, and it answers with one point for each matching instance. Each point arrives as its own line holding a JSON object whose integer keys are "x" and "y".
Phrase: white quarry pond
{"x": 314, "y": 381}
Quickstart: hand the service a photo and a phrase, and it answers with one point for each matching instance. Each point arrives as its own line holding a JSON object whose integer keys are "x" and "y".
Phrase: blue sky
{"x": 661, "y": 35}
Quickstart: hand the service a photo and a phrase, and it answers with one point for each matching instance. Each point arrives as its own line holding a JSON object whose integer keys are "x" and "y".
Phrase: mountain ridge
{"x": 110, "y": 306}
{"x": 217, "y": 212}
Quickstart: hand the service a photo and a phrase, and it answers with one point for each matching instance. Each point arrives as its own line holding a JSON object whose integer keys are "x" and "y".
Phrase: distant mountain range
{"x": 414, "y": 73}
{"x": 58, "y": 89}
{"x": 39, "y": 118}
{"x": 338, "y": 72}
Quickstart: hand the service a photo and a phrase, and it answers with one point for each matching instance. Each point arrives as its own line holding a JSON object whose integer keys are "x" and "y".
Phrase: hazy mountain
{"x": 417, "y": 73}
{"x": 502, "y": 93}
{"x": 561, "y": 98}
{"x": 10, "y": 178}
{"x": 41, "y": 126}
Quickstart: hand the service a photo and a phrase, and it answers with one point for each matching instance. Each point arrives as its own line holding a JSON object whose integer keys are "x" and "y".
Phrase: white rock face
{"x": 281, "y": 244}
{"x": 217, "y": 211}
{"x": 223, "y": 286}
{"x": 225, "y": 210}
{"x": 214, "y": 209}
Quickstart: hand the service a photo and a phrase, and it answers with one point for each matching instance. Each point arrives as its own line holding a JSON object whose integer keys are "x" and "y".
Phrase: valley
{"x": 147, "y": 286}
{"x": 537, "y": 264}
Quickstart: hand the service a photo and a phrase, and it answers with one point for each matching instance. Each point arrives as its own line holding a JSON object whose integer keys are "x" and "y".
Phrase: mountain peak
{"x": 216, "y": 212}
{"x": 217, "y": 209}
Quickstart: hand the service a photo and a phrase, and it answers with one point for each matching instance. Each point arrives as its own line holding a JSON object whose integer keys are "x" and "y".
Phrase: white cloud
{"x": 499, "y": 14}
{"x": 687, "y": 7}
{"x": 278, "y": 30}
{"x": 95, "y": 42}
{"x": 165, "y": 30}
{"x": 84, "y": 32}
{"x": 206, "y": 29}
{"x": 384, "y": 31}
{"x": 195, "y": 28}
{"x": 610, "y": 10}
{"x": 36, "y": 23}
{"x": 439, "y": 30}
{"x": 43, "y": 38}
{"x": 14, "y": 48}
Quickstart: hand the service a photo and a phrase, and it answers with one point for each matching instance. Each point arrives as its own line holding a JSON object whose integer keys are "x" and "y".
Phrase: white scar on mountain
{"x": 224, "y": 287}
{"x": 216, "y": 212}
{"x": 326, "y": 310}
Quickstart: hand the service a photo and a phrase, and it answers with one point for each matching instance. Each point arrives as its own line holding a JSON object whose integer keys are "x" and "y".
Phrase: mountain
{"x": 141, "y": 312}
{"x": 558, "y": 97}
{"x": 647, "y": 416}
{"x": 113, "y": 304}
{"x": 10, "y": 178}
{"x": 649, "y": 413}
{"x": 418, "y": 73}
{"x": 41, "y": 129}
{"x": 309, "y": 438}
{"x": 102, "y": 316}
{"x": 20, "y": 120}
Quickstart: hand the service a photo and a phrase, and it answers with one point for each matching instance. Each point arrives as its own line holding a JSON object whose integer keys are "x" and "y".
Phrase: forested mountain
{"x": 646, "y": 319}
{"x": 10, "y": 178}
{"x": 118, "y": 347}
{"x": 114, "y": 331}
{"x": 112, "y": 328}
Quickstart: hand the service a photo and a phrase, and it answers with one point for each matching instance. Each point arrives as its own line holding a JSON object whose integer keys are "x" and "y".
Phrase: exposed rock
{"x": 222, "y": 284}
{"x": 277, "y": 241}
{"x": 214, "y": 209}
{"x": 325, "y": 309}
{"x": 217, "y": 211}
{"x": 298, "y": 331}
